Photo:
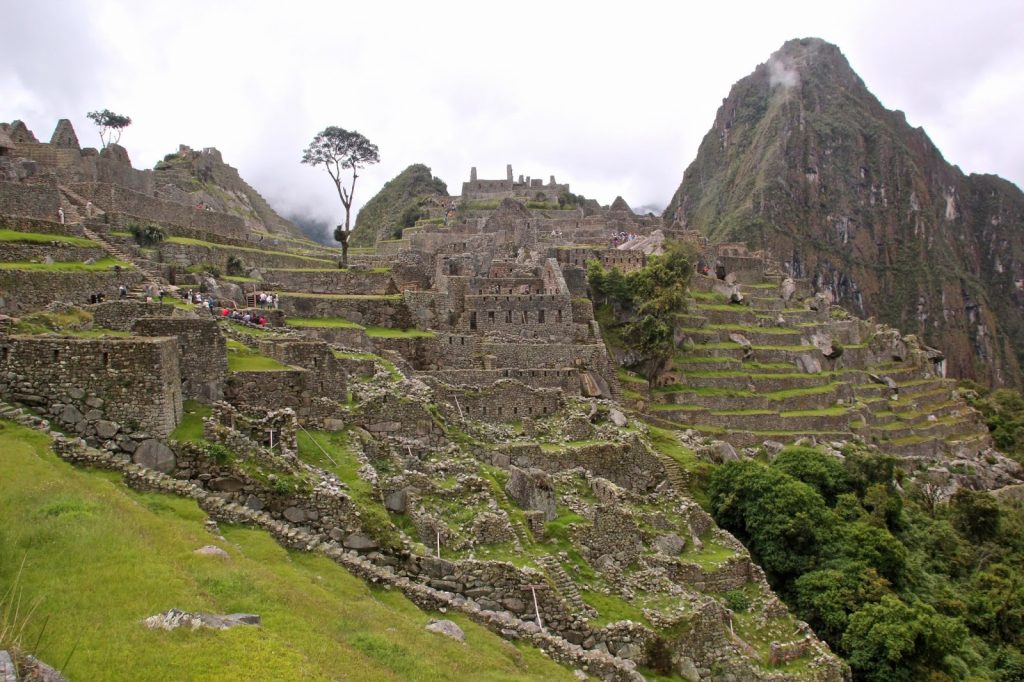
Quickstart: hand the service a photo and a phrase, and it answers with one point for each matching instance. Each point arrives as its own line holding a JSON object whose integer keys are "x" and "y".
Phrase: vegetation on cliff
{"x": 803, "y": 160}
{"x": 645, "y": 304}
{"x": 902, "y": 586}
{"x": 398, "y": 204}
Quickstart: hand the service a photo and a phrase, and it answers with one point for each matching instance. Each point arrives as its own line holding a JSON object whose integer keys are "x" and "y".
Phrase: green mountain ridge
{"x": 395, "y": 205}
{"x": 804, "y": 161}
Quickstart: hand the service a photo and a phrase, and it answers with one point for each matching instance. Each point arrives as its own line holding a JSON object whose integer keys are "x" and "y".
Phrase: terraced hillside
{"x": 750, "y": 372}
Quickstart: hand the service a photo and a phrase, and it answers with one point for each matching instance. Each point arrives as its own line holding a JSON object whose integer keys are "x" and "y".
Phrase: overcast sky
{"x": 613, "y": 98}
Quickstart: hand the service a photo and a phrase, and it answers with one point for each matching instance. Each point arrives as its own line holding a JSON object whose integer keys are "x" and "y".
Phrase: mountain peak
{"x": 802, "y": 160}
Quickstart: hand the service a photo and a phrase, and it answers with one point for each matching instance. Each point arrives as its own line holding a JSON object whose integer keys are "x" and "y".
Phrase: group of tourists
{"x": 245, "y": 318}
{"x": 265, "y": 300}
{"x": 623, "y": 238}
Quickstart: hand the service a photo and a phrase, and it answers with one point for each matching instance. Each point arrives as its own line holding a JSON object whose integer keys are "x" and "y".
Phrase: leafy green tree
{"x": 111, "y": 125}
{"x": 785, "y": 522}
{"x": 825, "y": 598}
{"x": 975, "y": 514}
{"x": 339, "y": 150}
{"x": 822, "y": 472}
{"x": 892, "y": 641}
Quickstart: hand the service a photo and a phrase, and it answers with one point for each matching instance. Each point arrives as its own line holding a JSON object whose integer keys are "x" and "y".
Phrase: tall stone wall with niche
{"x": 202, "y": 353}
{"x": 129, "y": 381}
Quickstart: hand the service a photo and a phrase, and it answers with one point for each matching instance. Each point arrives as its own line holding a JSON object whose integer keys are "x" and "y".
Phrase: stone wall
{"x": 382, "y": 311}
{"x": 115, "y": 198}
{"x": 48, "y": 225}
{"x": 538, "y": 315}
{"x": 329, "y": 281}
{"x": 120, "y": 314}
{"x": 505, "y": 400}
{"x": 628, "y": 464}
{"x": 24, "y": 291}
{"x": 567, "y": 379}
{"x": 296, "y": 388}
{"x": 194, "y": 254}
{"x": 202, "y": 353}
{"x": 35, "y": 201}
{"x": 128, "y": 381}
{"x": 327, "y": 379}
{"x": 58, "y": 251}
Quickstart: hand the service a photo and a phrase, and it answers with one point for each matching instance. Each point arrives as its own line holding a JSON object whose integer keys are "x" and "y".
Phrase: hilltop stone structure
{"x": 463, "y": 374}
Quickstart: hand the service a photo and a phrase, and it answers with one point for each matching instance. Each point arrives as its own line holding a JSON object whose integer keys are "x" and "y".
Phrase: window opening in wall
{"x": 515, "y": 410}
{"x": 508, "y": 316}
{"x": 472, "y": 320}
{"x": 106, "y": 359}
{"x": 56, "y": 355}
{"x": 7, "y": 353}
{"x": 451, "y": 340}
{"x": 540, "y": 316}
{"x": 490, "y": 316}
{"x": 558, "y": 316}
{"x": 526, "y": 317}
{"x": 463, "y": 340}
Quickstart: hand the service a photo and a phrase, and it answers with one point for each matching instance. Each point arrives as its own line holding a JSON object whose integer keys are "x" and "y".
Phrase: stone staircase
{"x": 565, "y": 585}
{"x": 151, "y": 279}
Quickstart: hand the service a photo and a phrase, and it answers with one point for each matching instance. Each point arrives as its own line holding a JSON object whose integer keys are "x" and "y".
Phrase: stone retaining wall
{"x": 329, "y": 281}
{"x": 120, "y": 314}
{"x": 381, "y": 312}
{"x": 34, "y": 201}
{"x": 24, "y": 291}
{"x": 202, "y": 353}
{"x": 125, "y": 381}
{"x": 58, "y": 251}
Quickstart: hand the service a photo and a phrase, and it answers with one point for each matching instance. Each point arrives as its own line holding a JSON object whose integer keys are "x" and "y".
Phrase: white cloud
{"x": 612, "y": 98}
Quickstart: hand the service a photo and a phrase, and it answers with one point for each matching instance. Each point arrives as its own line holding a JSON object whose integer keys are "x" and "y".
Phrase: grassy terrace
{"x": 188, "y": 241}
{"x": 44, "y": 238}
{"x": 102, "y": 265}
{"x": 736, "y": 393}
{"x": 391, "y": 333}
{"x": 322, "y": 322}
{"x": 88, "y": 558}
{"x": 241, "y": 358}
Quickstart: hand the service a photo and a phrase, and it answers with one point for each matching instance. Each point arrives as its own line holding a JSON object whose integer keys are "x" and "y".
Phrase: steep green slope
{"x": 383, "y": 215}
{"x": 804, "y": 160}
{"x": 90, "y": 558}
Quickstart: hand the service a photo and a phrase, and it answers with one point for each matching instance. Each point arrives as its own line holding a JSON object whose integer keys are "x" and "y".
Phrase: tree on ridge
{"x": 111, "y": 125}
{"x": 338, "y": 150}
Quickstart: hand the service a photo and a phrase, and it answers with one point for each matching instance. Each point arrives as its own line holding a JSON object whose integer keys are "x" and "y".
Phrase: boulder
{"x": 294, "y": 515}
{"x": 787, "y": 288}
{"x": 448, "y": 629}
{"x": 617, "y": 417}
{"x": 70, "y": 415}
{"x": 807, "y": 364}
{"x": 532, "y": 489}
{"x": 153, "y": 454}
{"x": 212, "y": 550}
{"x": 397, "y": 501}
{"x": 107, "y": 429}
{"x": 227, "y": 484}
{"x": 670, "y": 545}
{"x": 359, "y": 542}
{"x": 724, "y": 452}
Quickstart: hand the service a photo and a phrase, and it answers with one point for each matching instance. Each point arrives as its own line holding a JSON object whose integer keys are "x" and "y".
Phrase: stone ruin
{"x": 462, "y": 372}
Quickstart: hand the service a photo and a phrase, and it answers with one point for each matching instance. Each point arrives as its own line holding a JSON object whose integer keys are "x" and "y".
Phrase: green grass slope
{"x": 93, "y": 558}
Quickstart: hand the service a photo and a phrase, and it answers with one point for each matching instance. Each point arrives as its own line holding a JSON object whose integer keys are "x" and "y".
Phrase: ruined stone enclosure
{"x": 450, "y": 415}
